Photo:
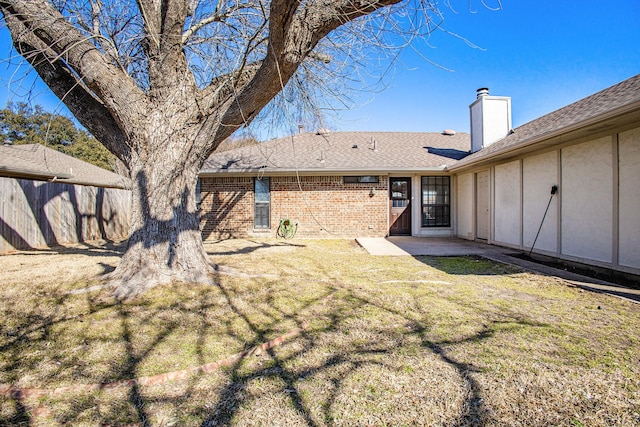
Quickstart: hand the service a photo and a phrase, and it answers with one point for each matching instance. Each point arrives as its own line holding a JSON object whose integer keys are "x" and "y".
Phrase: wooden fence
{"x": 36, "y": 214}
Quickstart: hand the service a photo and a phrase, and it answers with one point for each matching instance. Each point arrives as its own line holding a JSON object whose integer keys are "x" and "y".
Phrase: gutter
{"x": 63, "y": 178}
{"x": 95, "y": 184}
{"x": 13, "y": 172}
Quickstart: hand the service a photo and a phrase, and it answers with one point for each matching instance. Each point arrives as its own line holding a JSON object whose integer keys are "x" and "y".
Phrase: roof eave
{"x": 316, "y": 171}
{"x": 628, "y": 109}
{"x": 14, "y": 172}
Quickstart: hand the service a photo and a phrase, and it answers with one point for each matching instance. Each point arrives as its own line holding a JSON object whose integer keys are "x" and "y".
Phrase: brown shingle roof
{"x": 36, "y": 161}
{"x": 407, "y": 151}
{"x": 599, "y": 105}
{"x": 344, "y": 152}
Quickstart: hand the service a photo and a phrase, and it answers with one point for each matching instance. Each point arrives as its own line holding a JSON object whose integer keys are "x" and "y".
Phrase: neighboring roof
{"x": 619, "y": 99}
{"x": 343, "y": 152}
{"x": 35, "y": 161}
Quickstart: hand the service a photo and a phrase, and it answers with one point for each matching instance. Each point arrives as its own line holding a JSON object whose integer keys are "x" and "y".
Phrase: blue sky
{"x": 544, "y": 54}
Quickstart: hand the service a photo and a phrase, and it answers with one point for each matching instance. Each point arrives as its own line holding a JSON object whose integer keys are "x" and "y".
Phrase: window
{"x": 435, "y": 201}
{"x": 198, "y": 194}
{"x": 366, "y": 179}
{"x": 261, "y": 212}
{"x": 399, "y": 193}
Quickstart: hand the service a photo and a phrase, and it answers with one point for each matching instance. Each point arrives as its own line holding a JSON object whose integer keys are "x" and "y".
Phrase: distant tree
{"x": 232, "y": 143}
{"x": 161, "y": 83}
{"x": 23, "y": 124}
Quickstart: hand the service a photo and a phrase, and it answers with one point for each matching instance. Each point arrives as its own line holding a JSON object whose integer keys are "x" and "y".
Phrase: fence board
{"x": 36, "y": 214}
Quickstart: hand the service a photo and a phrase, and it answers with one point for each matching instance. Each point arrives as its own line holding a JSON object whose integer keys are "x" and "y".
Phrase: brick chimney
{"x": 490, "y": 119}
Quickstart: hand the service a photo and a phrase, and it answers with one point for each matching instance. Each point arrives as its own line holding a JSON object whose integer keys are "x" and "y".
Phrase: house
{"x": 49, "y": 198}
{"x": 342, "y": 184}
{"x": 565, "y": 185}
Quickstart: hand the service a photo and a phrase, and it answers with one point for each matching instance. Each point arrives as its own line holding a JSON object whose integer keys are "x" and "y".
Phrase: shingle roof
{"x": 344, "y": 152}
{"x": 407, "y": 151}
{"x": 36, "y": 161}
{"x": 600, "y": 104}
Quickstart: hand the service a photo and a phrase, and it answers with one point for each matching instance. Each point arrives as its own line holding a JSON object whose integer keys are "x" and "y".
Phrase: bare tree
{"x": 161, "y": 83}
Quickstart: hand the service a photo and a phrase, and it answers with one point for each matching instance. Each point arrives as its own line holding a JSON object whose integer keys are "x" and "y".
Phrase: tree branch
{"x": 294, "y": 31}
{"x": 89, "y": 111}
{"x": 48, "y": 37}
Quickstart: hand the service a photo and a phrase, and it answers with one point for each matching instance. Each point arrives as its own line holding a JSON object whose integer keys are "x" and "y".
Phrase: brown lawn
{"x": 372, "y": 341}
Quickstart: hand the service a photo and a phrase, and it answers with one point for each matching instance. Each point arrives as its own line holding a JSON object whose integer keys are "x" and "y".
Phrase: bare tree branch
{"x": 66, "y": 85}
{"x": 37, "y": 24}
{"x": 161, "y": 83}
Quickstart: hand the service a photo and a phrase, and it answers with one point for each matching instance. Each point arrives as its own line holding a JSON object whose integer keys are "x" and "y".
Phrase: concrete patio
{"x": 428, "y": 246}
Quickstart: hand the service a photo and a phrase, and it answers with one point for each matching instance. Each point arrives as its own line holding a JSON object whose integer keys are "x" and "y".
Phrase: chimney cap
{"x": 483, "y": 91}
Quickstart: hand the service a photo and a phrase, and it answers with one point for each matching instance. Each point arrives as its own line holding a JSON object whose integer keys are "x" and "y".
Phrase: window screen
{"x": 436, "y": 201}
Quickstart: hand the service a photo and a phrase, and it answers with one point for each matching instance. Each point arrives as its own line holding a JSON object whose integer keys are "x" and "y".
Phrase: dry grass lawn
{"x": 396, "y": 341}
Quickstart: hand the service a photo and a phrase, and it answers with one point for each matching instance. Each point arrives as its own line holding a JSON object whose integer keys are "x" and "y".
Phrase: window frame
{"x": 438, "y": 189}
{"x": 198, "y": 193}
{"x": 259, "y": 206}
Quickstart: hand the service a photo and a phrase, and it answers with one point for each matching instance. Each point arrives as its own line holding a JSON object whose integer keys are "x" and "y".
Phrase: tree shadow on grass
{"x": 234, "y": 395}
{"x": 337, "y": 305}
{"x": 66, "y": 363}
{"x": 251, "y": 246}
{"x": 465, "y": 265}
{"x": 91, "y": 249}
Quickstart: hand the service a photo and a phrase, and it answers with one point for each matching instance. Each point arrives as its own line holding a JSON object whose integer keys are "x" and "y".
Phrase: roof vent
{"x": 483, "y": 91}
{"x": 449, "y": 132}
{"x": 354, "y": 146}
{"x": 322, "y": 131}
{"x": 7, "y": 142}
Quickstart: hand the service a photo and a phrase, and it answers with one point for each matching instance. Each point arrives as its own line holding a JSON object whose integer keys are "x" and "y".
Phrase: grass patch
{"x": 387, "y": 341}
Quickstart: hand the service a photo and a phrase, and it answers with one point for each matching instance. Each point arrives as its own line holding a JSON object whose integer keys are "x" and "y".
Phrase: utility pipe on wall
{"x": 554, "y": 190}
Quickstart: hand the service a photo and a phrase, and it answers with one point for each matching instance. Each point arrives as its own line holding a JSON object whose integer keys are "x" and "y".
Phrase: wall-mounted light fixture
{"x": 372, "y": 192}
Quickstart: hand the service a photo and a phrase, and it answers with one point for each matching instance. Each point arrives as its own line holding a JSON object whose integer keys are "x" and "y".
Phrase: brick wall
{"x": 323, "y": 206}
{"x": 226, "y": 207}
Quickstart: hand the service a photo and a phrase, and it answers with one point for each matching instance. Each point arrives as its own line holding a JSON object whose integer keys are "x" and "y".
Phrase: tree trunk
{"x": 165, "y": 242}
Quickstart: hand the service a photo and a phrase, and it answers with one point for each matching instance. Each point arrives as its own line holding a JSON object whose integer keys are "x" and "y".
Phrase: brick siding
{"x": 323, "y": 206}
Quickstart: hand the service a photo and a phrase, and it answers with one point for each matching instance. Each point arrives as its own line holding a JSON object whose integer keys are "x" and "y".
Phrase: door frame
{"x": 484, "y": 218}
{"x": 407, "y": 209}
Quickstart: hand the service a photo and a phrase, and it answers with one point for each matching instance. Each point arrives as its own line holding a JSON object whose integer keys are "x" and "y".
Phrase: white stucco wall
{"x": 464, "y": 211}
{"x": 507, "y": 207}
{"x": 629, "y": 198}
{"x": 587, "y": 199}
{"x": 540, "y": 173}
